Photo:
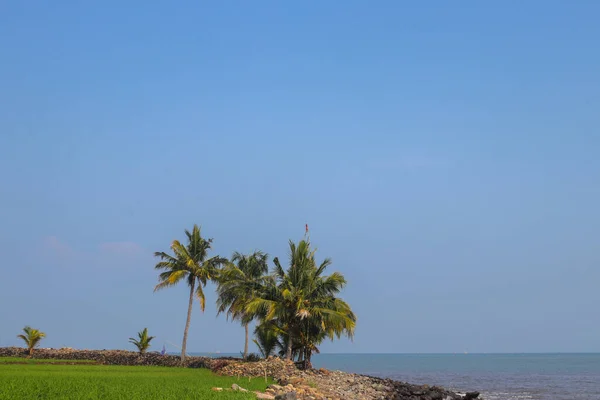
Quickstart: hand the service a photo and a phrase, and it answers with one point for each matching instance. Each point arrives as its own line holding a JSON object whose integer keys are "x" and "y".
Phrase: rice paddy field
{"x": 22, "y": 378}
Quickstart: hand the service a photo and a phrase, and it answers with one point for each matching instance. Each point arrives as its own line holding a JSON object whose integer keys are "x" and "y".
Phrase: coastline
{"x": 316, "y": 384}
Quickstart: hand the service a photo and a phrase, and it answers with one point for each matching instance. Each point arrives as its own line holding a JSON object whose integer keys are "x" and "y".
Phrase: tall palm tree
{"x": 32, "y": 338}
{"x": 302, "y": 302}
{"x": 237, "y": 285}
{"x": 189, "y": 262}
{"x": 143, "y": 341}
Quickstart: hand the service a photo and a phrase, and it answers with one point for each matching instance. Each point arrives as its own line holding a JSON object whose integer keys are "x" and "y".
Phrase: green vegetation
{"x": 238, "y": 284}
{"x": 191, "y": 263}
{"x": 266, "y": 340}
{"x": 117, "y": 382}
{"x": 143, "y": 341}
{"x": 32, "y": 338}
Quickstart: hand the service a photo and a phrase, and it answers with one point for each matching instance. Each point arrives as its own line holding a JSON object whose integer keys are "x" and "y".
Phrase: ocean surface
{"x": 496, "y": 376}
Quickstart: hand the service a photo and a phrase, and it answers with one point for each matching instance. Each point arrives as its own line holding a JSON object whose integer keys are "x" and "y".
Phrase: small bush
{"x": 253, "y": 357}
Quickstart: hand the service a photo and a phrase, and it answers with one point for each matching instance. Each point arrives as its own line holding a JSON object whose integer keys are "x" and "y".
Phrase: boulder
{"x": 238, "y": 388}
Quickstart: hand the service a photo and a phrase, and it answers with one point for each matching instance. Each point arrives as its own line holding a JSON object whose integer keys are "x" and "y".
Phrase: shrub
{"x": 253, "y": 357}
{"x": 32, "y": 338}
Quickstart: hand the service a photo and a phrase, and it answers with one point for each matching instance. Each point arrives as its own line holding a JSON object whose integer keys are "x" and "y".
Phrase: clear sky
{"x": 444, "y": 154}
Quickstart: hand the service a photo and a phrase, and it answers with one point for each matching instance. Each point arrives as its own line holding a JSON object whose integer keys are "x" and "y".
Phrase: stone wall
{"x": 110, "y": 357}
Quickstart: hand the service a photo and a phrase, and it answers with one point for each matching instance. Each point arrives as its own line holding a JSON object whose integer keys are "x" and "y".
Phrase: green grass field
{"x": 40, "y": 379}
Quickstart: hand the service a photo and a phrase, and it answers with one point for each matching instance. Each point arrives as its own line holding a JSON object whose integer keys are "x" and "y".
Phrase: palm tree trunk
{"x": 288, "y": 353}
{"x": 187, "y": 322}
{"x": 307, "y": 362}
{"x": 246, "y": 342}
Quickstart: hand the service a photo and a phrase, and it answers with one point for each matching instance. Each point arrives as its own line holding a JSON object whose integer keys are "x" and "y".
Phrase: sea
{"x": 495, "y": 376}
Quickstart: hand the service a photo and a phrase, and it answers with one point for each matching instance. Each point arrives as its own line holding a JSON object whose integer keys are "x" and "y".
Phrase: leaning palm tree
{"x": 237, "y": 285}
{"x": 143, "y": 341}
{"x": 32, "y": 338}
{"x": 302, "y": 302}
{"x": 189, "y": 262}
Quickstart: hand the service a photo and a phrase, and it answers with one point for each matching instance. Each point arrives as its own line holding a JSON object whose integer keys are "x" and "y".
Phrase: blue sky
{"x": 444, "y": 155}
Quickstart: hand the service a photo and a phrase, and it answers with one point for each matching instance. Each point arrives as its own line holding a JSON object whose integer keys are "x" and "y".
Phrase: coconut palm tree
{"x": 143, "y": 341}
{"x": 313, "y": 331}
{"x": 238, "y": 283}
{"x": 32, "y": 338}
{"x": 190, "y": 263}
{"x": 302, "y": 302}
{"x": 267, "y": 340}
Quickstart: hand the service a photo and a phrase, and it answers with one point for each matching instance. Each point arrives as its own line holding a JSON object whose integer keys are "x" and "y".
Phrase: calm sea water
{"x": 496, "y": 376}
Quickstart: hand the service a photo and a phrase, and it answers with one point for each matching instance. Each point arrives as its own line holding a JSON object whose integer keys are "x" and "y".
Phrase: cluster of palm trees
{"x": 296, "y": 307}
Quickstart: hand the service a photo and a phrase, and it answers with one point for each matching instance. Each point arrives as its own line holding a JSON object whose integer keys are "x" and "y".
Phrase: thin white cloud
{"x": 61, "y": 251}
{"x": 121, "y": 248}
{"x": 58, "y": 248}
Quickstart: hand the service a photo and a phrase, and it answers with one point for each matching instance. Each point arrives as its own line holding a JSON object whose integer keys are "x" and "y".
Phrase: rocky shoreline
{"x": 322, "y": 384}
{"x": 292, "y": 384}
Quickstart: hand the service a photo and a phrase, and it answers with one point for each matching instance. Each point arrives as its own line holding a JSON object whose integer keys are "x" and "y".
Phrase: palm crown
{"x": 143, "y": 341}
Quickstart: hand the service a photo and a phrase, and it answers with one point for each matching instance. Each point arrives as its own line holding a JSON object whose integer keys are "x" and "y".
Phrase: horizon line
{"x": 488, "y": 352}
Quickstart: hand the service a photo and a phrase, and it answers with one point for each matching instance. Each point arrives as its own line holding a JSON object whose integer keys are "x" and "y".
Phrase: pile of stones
{"x": 334, "y": 385}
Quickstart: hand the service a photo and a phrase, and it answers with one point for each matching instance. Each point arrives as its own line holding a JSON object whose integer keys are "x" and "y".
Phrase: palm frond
{"x": 200, "y": 296}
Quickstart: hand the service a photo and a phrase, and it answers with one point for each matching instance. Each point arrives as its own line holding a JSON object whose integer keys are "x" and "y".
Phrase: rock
{"x": 296, "y": 381}
{"x": 286, "y": 396}
{"x": 433, "y": 395}
{"x": 217, "y": 389}
{"x": 238, "y": 388}
{"x": 275, "y": 387}
{"x": 471, "y": 395}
